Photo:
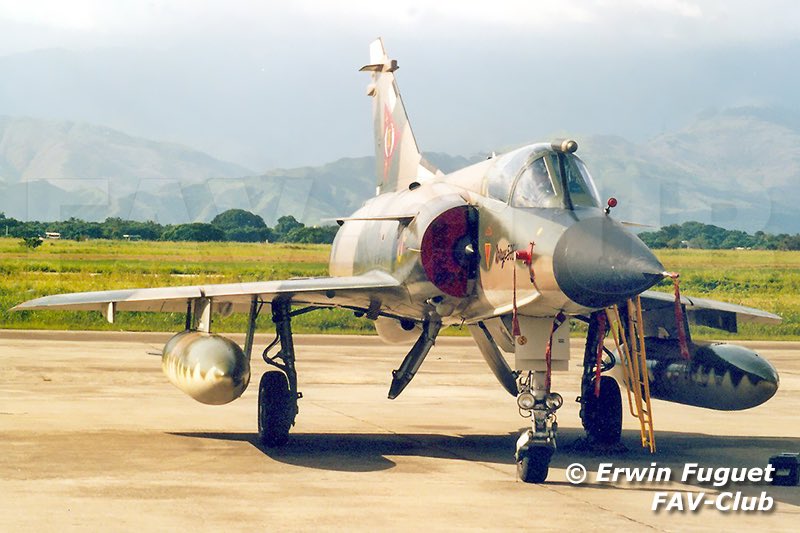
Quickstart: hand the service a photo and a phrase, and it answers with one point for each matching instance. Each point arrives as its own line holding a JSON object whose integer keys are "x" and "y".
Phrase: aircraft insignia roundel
{"x": 388, "y": 138}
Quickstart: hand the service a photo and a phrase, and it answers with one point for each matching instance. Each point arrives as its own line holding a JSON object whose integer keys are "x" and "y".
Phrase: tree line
{"x": 710, "y": 237}
{"x": 235, "y": 225}
{"x": 238, "y": 225}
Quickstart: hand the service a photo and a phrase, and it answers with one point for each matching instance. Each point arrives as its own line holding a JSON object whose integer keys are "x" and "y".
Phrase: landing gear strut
{"x": 277, "y": 392}
{"x": 535, "y": 446}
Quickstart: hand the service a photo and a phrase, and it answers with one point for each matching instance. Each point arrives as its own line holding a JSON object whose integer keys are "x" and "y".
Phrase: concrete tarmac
{"x": 93, "y": 437}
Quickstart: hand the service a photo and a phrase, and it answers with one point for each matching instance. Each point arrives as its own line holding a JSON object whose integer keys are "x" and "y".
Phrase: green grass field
{"x": 763, "y": 279}
{"x": 69, "y": 266}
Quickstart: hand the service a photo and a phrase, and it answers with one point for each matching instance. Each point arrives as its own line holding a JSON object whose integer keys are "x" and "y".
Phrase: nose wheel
{"x": 535, "y": 446}
{"x": 533, "y": 462}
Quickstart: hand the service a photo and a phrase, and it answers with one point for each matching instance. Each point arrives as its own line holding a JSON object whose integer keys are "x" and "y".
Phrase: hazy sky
{"x": 46, "y": 23}
{"x": 276, "y": 84}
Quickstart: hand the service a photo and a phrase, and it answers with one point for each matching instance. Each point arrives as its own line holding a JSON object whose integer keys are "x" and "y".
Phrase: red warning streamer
{"x": 601, "y": 336}
{"x": 515, "y": 329}
{"x": 526, "y": 256}
{"x": 679, "y": 321}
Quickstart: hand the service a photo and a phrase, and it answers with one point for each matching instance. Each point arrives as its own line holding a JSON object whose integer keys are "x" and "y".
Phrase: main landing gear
{"x": 602, "y": 415}
{"x": 275, "y": 409}
{"x": 277, "y": 392}
{"x": 535, "y": 446}
{"x": 601, "y": 408}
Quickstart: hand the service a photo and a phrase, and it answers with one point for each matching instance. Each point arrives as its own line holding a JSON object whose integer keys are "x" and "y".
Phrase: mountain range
{"x": 736, "y": 168}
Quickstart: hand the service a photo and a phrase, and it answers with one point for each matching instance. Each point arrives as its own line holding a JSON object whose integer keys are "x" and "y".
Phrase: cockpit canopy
{"x": 538, "y": 176}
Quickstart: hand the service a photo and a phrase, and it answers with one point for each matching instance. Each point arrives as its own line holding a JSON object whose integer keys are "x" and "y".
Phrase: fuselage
{"x": 459, "y": 243}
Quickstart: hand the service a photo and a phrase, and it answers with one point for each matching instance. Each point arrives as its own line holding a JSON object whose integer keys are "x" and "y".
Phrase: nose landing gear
{"x": 535, "y": 446}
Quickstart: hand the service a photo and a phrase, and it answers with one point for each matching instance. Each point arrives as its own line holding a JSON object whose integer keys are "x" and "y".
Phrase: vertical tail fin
{"x": 397, "y": 156}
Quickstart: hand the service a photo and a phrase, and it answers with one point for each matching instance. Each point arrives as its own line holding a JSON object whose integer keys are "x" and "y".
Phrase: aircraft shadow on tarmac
{"x": 369, "y": 452}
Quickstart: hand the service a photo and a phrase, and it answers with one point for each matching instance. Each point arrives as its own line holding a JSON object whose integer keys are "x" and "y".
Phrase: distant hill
{"x": 312, "y": 194}
{"x": 53, "y": 170}
{"x": 58, "y": 169}
{"x": 738, "y": 169}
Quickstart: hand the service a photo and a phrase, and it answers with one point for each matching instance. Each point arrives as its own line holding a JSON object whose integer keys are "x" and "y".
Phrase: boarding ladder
{"x": 634, "y": 369}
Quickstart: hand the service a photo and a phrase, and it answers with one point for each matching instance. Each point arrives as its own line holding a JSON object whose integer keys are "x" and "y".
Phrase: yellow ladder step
{"x": 631, "y": 348}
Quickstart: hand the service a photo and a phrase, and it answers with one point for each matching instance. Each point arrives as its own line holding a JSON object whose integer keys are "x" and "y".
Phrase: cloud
{"x": 702, "y": 21}
{"x": 241, "y": 79}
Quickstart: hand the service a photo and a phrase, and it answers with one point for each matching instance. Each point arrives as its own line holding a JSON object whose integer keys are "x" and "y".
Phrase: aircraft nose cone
{"x": 597, "y": 263}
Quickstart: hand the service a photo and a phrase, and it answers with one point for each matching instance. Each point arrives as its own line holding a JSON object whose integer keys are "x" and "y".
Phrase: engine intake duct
{"x": 448, "y": 251}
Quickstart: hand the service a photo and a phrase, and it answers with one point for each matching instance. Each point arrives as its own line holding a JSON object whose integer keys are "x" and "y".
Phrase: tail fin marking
{"x": 398, "y": 159}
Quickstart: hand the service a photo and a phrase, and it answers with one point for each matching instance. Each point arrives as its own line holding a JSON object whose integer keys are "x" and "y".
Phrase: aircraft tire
{"x": 602, "y": 417}
{"x": 534, "y": 464}
{"x": 274, "y": 409}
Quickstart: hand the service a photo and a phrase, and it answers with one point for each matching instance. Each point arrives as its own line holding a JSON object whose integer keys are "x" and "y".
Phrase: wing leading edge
{"x": 351, "y": 291}
{"x": 712, "y": 313}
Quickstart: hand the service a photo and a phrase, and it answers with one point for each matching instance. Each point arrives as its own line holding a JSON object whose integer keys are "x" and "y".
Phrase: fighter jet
{"x": 513, "y": 248}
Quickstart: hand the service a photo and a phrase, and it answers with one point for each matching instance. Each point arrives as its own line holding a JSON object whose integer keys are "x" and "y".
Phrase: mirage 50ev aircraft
{"x": 511, "y": 248}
